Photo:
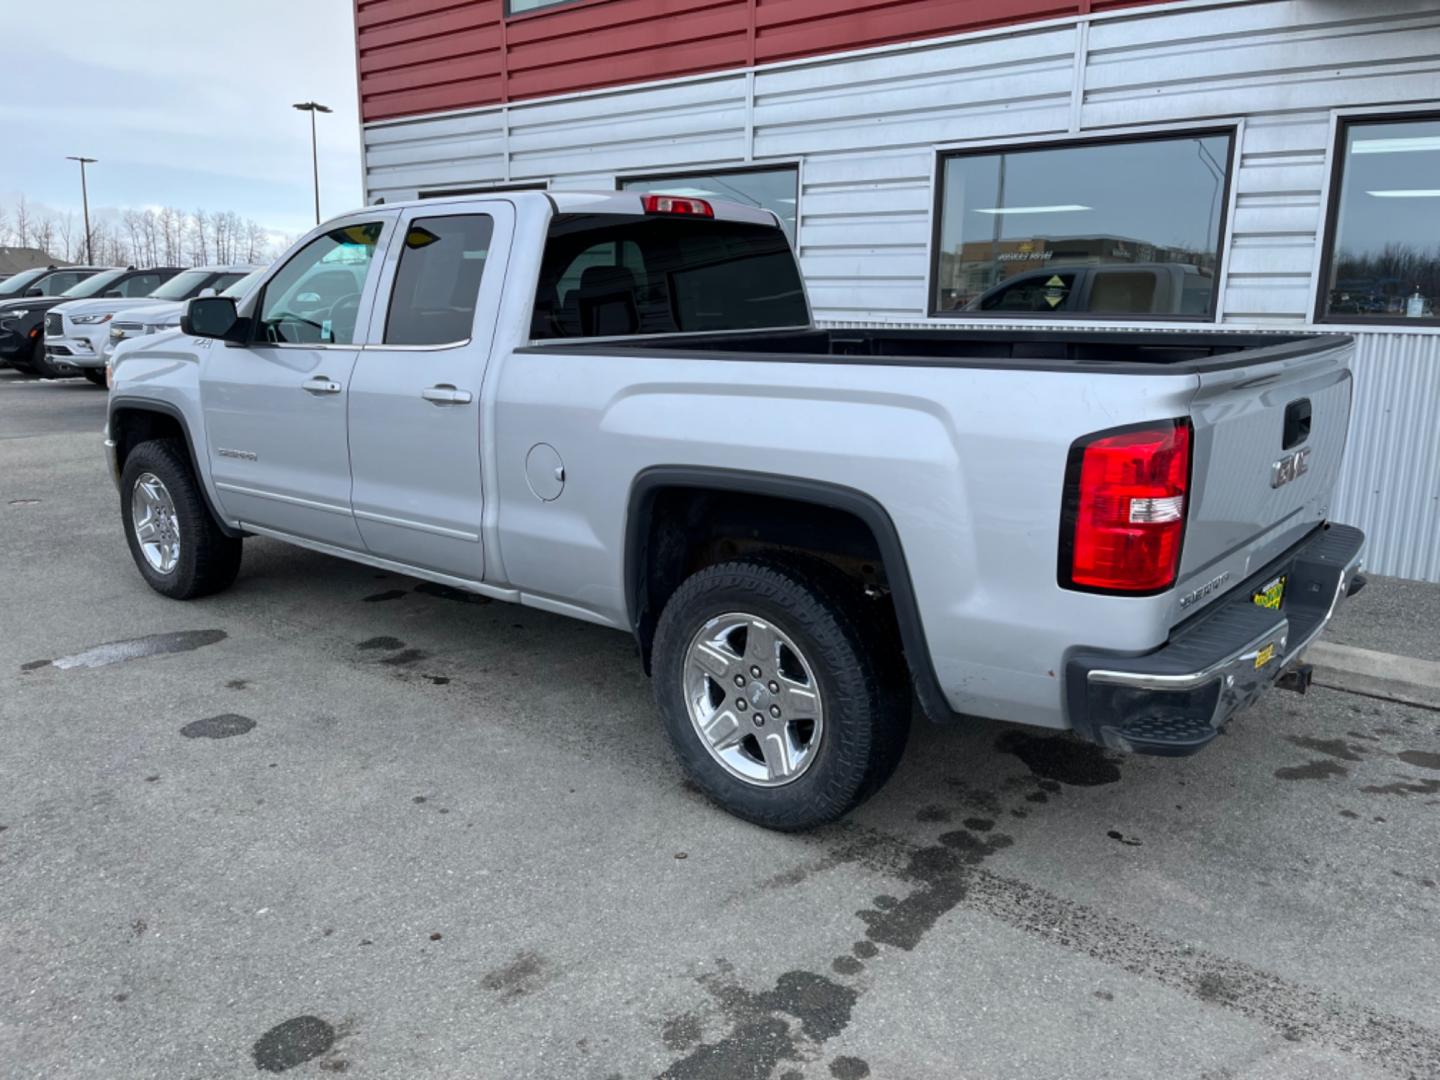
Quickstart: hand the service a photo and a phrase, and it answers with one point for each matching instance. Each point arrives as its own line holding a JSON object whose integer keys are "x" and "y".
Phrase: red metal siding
{"x": 421, "y": 56}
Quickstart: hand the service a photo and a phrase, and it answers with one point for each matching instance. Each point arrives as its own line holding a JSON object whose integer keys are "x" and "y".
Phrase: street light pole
{"x": 85, "y": 202}
{"x": 312, "y": 107}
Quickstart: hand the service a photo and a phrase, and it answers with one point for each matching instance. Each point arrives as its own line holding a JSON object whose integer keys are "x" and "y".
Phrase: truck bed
{"x": 1117, "y": 351}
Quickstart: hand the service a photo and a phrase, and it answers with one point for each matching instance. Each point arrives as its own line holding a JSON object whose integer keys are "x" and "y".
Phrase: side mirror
{"x": 114, "y": 292}
{"x": 207, "y": 291}
{"x": 211, "y": 317}
{"x": 35, "y": 290}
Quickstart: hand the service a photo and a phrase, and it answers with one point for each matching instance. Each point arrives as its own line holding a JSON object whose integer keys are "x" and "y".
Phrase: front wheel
{"x": 46, "y": 368}
{"x": 782, "y": 697}
{"x": 95, "y": 375}
{"x": 178, "y": 547}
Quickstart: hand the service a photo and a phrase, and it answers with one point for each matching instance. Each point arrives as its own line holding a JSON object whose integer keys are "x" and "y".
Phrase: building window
{"x": 1383, "y": 247}
{"x": 1104, "y": 229}
{"x": 521, "y": 7}
{"x": 775, "y": 189}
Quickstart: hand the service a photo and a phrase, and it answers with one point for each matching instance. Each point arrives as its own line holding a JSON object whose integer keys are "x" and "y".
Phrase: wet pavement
{"x": 340, "y": 821}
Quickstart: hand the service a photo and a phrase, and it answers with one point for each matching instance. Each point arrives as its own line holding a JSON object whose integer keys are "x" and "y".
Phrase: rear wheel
{"x": 176, "y": 544}
{"x": 781, "y": 697}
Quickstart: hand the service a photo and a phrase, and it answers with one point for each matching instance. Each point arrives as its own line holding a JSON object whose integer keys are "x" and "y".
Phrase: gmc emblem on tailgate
{"x": 1289, "y": 467}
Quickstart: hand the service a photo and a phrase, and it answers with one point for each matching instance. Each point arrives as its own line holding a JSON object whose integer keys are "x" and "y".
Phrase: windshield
{"x": 244, "y": 285}
{"x": 92, "y": 286}
{"x": 183, "y": 286}
{"x": 16, "y": 282}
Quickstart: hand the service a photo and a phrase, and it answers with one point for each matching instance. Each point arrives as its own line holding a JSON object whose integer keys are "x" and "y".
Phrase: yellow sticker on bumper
{"x": 1264, "y": 656}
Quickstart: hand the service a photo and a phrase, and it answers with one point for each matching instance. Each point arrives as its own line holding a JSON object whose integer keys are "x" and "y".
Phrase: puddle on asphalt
{"x": 115, "y": 652}
{"x": 225, "y": 726}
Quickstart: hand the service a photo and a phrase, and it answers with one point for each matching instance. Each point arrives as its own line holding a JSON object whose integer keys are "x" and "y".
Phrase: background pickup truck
{"x": 616, "y": 407}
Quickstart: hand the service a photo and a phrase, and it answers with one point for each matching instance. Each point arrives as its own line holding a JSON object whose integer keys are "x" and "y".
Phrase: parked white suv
{"x": 76, "y": 332}
{"x": 164, "y": 313}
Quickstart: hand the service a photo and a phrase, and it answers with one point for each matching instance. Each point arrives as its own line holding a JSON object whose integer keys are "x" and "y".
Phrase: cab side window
{"x": 315, "y": 297}
{"x": 140, "y": 285}
{"x": 437, "y": 283}
{"x": 56, "y": 284}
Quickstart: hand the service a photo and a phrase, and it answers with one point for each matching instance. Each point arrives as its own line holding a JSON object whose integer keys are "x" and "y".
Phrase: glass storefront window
{"x": 769, "y": 188}
{"x": 1102, "y": 229}
{"x": 1383, "y": 247}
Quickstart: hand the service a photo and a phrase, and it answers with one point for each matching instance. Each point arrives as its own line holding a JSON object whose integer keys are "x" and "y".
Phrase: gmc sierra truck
{"x": 617, "y": 407}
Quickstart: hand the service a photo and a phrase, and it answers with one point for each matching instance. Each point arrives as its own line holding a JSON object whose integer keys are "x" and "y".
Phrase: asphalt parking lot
{"x": 340, "y": 821}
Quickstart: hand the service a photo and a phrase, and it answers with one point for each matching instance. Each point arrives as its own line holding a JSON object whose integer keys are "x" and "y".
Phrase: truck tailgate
{"x": 1269, "y": 437}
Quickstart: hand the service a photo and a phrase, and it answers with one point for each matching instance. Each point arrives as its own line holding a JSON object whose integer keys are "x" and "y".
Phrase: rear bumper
{"x": 1174, "y": 700}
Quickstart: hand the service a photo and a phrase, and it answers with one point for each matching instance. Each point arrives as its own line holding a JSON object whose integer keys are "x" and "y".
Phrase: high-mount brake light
{"x": 1123, "y": 518}
{"x": 676, "y": 204}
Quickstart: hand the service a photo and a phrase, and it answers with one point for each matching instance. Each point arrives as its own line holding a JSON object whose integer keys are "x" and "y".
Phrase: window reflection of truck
{"x": 1114, "y": 289}
{"x": 1369, "y": 296}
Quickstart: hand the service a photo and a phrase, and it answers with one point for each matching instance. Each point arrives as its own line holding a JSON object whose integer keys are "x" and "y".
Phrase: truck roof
{"x": 592, "y": 202}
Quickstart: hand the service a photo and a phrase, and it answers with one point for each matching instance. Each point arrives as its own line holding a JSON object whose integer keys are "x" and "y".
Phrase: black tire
{"x": 847, "y": 644}
{"x": 47, "y": 368}
{"x": 26, "y": 364}
{"x": 95, "y": 375}
{"x": 208, "y": 560}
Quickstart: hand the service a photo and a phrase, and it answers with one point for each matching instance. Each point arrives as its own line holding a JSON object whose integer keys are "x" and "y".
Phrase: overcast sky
{"x": 184, "y": 102}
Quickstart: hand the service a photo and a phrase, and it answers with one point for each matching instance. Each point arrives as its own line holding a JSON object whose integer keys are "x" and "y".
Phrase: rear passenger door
{"x": 416, "y": 425}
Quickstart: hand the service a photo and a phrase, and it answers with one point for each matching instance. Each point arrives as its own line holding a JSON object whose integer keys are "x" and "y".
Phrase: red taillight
{"x": 675, "y": 204}
{"x": 1124, "y": 515}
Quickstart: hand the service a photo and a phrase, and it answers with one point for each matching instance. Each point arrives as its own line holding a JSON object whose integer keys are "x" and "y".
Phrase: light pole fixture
{"x": 312, "y": 107}
{"x": 84, "y": 202}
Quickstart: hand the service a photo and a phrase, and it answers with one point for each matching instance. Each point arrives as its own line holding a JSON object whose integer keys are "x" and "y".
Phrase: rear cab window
{"x": 606, "y": 275}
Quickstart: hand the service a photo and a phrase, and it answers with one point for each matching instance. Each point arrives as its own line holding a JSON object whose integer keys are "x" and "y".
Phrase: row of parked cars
{"x": 60, "y": 321}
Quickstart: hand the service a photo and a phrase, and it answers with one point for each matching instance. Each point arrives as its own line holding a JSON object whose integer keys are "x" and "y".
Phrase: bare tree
{"x": 256, "y": 242}
{"x": 220, "y": 230}
{"x": 131, "y": 221}
{"x": 150, "y": 236}
{"x": 44, "y": 233}
{"x": 172, "y": 224}
{"x": 199, "y": 238}
{"x": 22, "y": 223}
{"x": 64, "y": 230}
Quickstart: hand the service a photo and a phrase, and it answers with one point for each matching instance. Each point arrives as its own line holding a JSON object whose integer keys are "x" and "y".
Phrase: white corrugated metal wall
{"x": 864, "y": 128}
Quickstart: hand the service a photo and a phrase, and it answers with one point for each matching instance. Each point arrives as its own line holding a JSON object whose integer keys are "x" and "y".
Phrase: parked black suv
{"x": 22, "y": 322}
{"x": 45, "y": 280}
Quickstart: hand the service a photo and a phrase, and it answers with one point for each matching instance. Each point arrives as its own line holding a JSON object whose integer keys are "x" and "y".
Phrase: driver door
{"x": 275, "y": 406}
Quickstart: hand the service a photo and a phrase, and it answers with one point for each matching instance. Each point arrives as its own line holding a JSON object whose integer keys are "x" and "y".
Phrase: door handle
{"x": 445, "y": 394}
{"x": 321, "y": 385}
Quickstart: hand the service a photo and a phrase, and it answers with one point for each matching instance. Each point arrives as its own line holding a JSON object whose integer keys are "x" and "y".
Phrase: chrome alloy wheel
{"x": 152, "y": 512}
{"x": 753, "y": 699}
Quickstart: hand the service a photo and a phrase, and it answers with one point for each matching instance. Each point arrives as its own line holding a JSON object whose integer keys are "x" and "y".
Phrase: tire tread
{"x": 867, "y": 702}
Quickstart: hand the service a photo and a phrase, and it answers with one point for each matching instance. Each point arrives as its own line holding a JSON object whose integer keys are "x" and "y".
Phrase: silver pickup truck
{"x": 617, "y": 407}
